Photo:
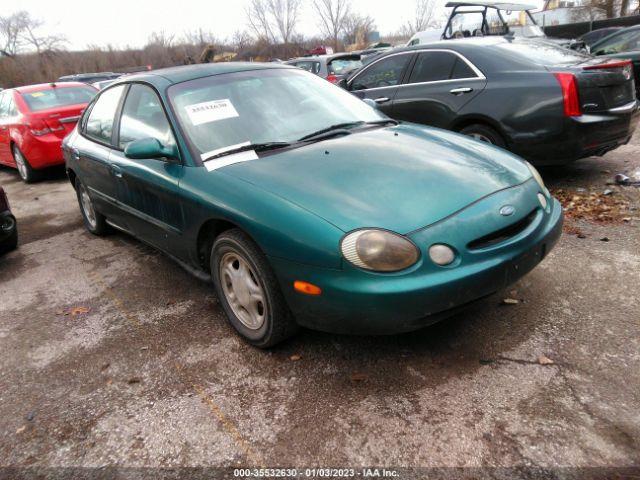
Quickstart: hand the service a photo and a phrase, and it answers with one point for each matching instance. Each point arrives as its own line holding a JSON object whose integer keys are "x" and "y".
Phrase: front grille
{"x": 503, "y": 234}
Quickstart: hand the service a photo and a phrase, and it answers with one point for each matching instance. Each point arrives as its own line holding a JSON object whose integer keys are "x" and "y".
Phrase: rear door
{"x": 380, "y": 79}
{"x": 147, "y": 192}
{"x": 439, "y": 84}
{"x": 92, "y": 148}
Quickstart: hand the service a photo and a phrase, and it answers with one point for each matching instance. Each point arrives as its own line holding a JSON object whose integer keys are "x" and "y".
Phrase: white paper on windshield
{"x": 212, "y": 111}
{"x": 216, "y": 163}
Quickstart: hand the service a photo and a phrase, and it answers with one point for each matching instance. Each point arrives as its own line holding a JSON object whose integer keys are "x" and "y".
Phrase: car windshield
{"x": 261, "y": 106}
{"x": 618, "y": 43}
{"x": 59, "y": 96}
{"x": 541, "y": 53}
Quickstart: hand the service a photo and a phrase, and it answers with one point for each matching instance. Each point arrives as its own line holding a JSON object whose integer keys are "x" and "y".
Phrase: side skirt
{"x": 196, "y": 272}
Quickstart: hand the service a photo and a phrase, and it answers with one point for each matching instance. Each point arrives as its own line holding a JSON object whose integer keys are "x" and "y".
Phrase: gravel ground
{"x": 113, "y": 355}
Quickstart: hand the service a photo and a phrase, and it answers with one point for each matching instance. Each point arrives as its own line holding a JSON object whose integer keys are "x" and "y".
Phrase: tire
{"x": 242, "y": 276}
{"x": 26, "y": 172}
{"x": 94, "y": 221}
{"x": 484, "y": 133}
{"x": 10, "y": 243}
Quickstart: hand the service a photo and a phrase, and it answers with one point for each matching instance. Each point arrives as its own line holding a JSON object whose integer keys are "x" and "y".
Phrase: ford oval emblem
{"x": 507, "y": 210}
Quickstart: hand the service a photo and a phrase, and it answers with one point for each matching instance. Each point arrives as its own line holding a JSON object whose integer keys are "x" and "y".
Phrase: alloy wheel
{"x": 243, "y": 291}
{"x": 480, "y": 137}
{"x": 21, "y": 164}
{"x": 87, "y": 207}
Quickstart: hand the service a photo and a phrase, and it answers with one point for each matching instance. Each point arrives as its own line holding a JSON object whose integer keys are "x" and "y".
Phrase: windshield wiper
{"x": 258, "y": 147}
{"x": 341, "y": 128}
{"x": 333, "y": 129}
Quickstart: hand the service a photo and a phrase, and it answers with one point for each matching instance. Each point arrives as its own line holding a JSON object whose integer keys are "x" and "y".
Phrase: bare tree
{"x": 285, "y": 14}
{"x": 22, "y": 31}
{"x": 161, "y": 39}
{"x": 332, "y": 15}
{"x": 10, "y": 35}
{"x": 357, "y": 28}
{"x": 258, "y": 18}
{"x": 427, "y": 14}
{"x": 240, "y": 40}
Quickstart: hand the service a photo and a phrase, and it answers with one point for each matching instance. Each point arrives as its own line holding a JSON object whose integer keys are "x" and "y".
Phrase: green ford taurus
{"x": 303, "y": 204}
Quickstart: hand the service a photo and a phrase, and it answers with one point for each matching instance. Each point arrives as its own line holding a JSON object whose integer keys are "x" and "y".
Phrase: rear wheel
{"x": 27, "y": 173}
{"x": 248, "y": 290}
{"x": 484, "y": 133}
{"x": 93, "y": 221}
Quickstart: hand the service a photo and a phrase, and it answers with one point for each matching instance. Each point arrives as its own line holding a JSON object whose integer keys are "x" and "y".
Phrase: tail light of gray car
{"x": 570, "y": 97}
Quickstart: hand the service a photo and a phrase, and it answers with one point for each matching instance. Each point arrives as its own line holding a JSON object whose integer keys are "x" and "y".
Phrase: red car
{"x": 34, "y": 120}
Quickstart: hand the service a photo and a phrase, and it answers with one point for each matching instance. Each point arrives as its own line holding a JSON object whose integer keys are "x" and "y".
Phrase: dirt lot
{"x": 113, "y": 355}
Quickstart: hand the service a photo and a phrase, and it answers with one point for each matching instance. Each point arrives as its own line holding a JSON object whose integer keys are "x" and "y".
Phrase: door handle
{"x": 116, "y": 170}
{"x": 461, "y": 90}
{"x": 381, "y": 100}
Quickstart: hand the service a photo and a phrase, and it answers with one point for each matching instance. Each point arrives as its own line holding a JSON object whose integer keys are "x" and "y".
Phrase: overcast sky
{"x": 130, "y": 22}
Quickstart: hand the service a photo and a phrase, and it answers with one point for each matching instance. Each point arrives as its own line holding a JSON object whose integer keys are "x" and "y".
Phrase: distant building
{"x": 561, "y": 12}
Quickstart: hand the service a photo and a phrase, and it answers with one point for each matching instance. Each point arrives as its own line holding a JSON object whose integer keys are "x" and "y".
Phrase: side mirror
{"x": 342, "y": 83}
{"x": 370, "y": 102}
{"x": 149, "y": 148}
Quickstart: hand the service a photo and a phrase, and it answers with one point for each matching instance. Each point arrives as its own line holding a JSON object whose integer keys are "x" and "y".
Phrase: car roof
{"x": 515, "y": 7}
{"x": 48, "y": 86}
{"x": 191, "y": 72}
{"x": 452, "y": 44}
{"x": 327, "y": 57}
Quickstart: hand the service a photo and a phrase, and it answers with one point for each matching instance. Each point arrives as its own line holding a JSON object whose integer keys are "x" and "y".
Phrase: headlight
{"x": 537, "y": 176}
{"x": 379, "y": 250}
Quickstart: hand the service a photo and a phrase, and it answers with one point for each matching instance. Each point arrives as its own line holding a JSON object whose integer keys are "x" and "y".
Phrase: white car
{"x": 426, "y": 36}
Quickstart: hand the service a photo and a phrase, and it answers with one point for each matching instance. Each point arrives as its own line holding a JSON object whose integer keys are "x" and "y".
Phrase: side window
{"x": 99, "y": 124}
{"x": 462, "y": 70}
{"x": 308, "y": 66}
{"x": 12, "y": 109}
{"x": 385, "y": 73}
{"x": 4, "y": 104}
{"x": 432, "y": 66}
{"x": 144, "y": 117}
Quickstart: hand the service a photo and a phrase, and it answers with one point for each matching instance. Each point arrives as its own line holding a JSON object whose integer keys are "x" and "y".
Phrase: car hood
{"x": 400, "y": 178}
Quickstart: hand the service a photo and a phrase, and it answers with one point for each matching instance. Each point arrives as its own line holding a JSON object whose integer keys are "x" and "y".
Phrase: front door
{"x": 148, "y": 192}
{"x": 379, "y": 81}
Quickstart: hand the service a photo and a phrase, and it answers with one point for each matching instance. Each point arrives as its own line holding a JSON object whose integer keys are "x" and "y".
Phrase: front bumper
{"x": 584, "y": 136}
{"x": 42, "y": 151}
{"x": 355, "y": 301}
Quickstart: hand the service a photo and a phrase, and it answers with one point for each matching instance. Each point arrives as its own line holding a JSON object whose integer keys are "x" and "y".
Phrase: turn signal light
{"x": 570, "y": 98}
{"x": 307, "y": 288}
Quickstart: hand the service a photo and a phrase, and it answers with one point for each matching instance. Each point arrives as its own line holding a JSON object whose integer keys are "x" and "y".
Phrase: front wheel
{"x": 93, "y": 221}
{"x": 484, "y": 133}
{"x": 26, "y": 172}
{"x": 248, "y": 290}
